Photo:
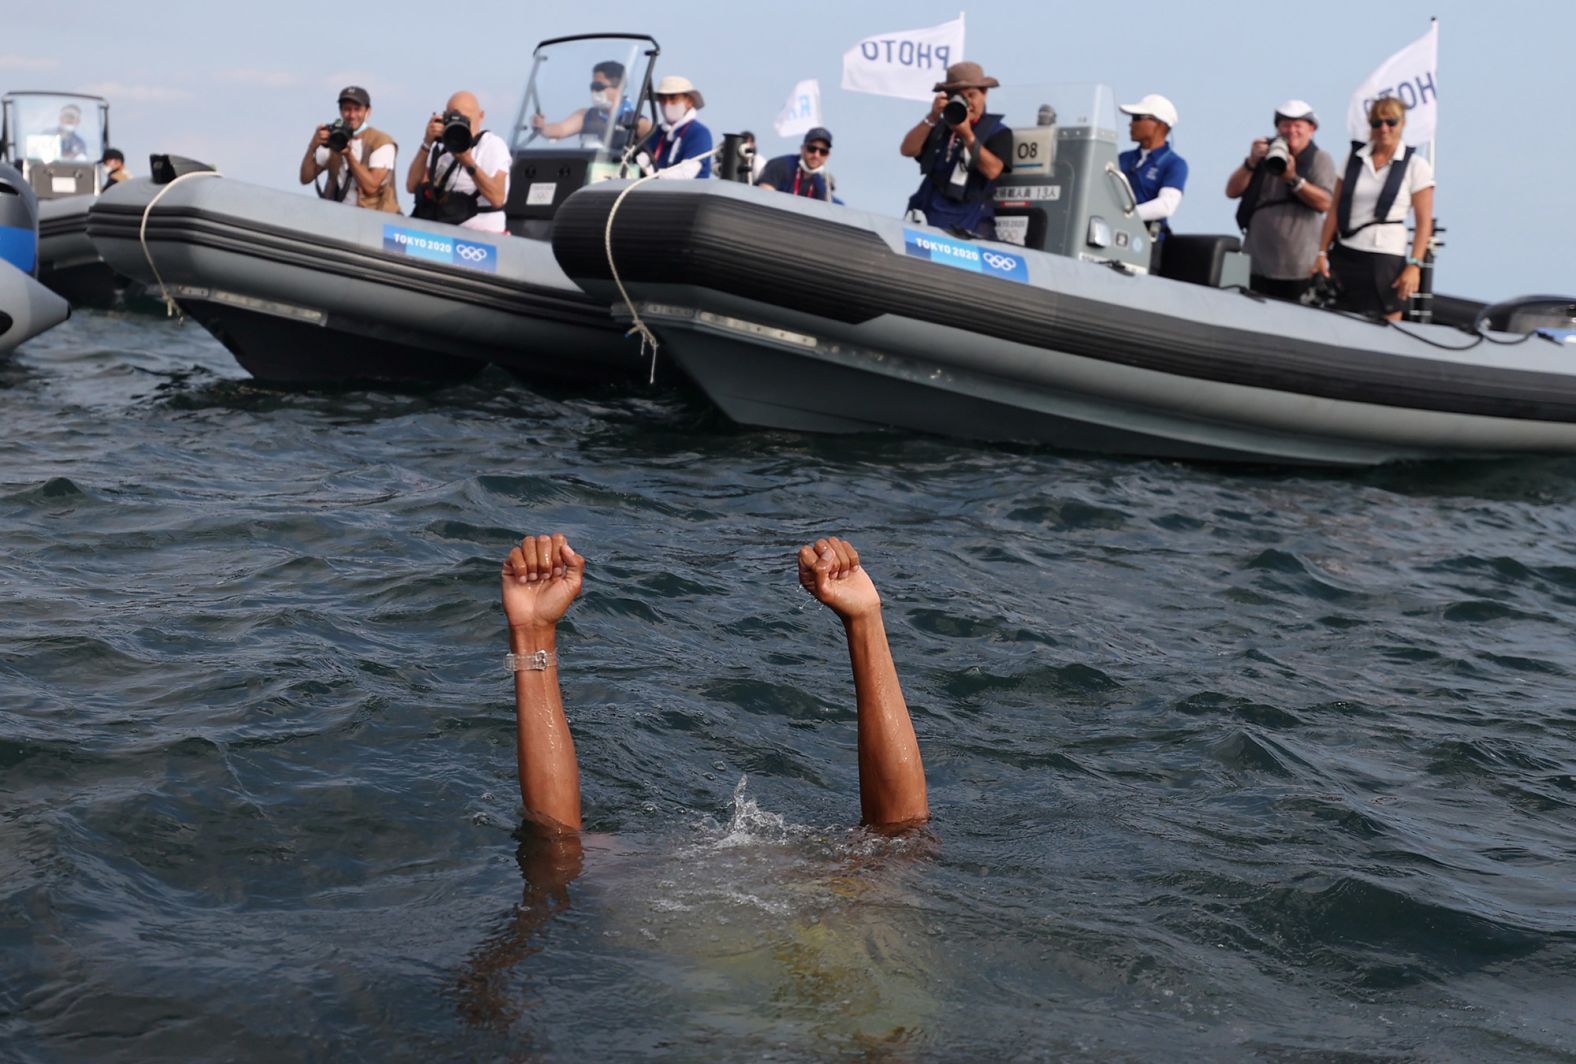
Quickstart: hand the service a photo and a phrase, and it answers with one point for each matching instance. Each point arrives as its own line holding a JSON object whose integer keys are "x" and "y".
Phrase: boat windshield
{"x": 584, "y": 92}
{"x": 46, "y": 127}
{"x": 1083, "y": 106}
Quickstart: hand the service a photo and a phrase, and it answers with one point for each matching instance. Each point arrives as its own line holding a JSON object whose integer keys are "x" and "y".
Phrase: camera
{"x": 1276, "y": 158}
{"x": 456, "y": 135}
{"x": 956, "y": 111}
{"x": 339, "y": 134}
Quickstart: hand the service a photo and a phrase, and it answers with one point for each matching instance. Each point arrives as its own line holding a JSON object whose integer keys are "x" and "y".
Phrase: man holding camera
{"x": 803, "y": 174}
{"x": 461, "y": 175}
{"x": 1285, "y": 187}
{"x": 359, "y": 160}
{"x": 962, "y": 152}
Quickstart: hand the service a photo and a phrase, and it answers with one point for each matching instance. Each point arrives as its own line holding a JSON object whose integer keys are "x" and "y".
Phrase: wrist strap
{"x": 536, "y": 661}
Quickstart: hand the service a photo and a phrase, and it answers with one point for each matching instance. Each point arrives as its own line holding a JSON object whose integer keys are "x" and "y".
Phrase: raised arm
{"x": 541, "y": 577}
{"x": 891, "y": 773}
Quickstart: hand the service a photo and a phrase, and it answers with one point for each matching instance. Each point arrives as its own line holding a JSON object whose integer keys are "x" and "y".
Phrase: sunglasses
{"x": 1375, "y": 123}
{"x": 814, "y": 150}
{"x": 598, "y": 86}
{"x": 1145, "y": 118}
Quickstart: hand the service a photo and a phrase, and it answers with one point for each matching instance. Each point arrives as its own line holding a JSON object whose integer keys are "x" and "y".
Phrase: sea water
{"x": 1225, "y": 763}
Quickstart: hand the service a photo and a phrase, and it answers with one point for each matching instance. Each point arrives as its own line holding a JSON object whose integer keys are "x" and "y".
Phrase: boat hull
{"x": 805, "y": 316}
{"x": 307, "y": 292}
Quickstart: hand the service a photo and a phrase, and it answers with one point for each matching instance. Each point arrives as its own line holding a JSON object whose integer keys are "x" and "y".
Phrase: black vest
{"x": 1387, "y": 194}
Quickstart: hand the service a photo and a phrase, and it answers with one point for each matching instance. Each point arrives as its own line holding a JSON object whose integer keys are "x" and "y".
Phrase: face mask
{"x": 604, "y": 100}
{"x": 674, "y": 111}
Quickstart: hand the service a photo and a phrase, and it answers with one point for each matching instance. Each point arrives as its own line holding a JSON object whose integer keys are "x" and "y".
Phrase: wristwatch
{"x": 470, "y": 168}
{"x": 1297, "y": 184}
{"x": 1410, "y": 261}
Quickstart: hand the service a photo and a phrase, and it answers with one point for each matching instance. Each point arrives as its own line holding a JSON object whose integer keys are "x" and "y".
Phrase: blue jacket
{"x": 970, "y": 207}
{"x": 688, "y": 140}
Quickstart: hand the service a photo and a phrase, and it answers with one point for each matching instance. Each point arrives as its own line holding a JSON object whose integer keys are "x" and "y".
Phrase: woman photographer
{"x": 1364, "y": 239}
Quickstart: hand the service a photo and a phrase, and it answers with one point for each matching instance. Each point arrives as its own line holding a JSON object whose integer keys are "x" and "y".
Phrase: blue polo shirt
{"x": 1164, "y": 168}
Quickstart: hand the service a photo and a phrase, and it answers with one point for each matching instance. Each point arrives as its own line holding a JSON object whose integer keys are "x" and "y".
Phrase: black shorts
{"x": 1363, "y": 280}
{"x": 1276, "y": 288}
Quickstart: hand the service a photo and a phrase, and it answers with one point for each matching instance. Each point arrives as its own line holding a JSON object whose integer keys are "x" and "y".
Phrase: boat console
{"x": 1066, "y": 194}
{"x": 56, "y": 139}
{"x": 587, "y": 106}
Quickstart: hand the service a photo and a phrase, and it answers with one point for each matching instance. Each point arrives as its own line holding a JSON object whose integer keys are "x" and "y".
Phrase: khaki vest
{"x": 386, "y": 199}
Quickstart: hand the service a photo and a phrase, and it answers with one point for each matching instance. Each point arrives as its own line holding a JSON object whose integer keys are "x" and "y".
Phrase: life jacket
{"x": 340, "y": 179}
{"x": 1387, "y": 194}
{"x": 594, "y": 124}
{"x": 1250, "y": 203}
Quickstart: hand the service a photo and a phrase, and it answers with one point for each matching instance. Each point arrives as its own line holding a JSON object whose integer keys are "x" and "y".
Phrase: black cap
{"x": 112, "y": 155}
{"x": 355, "y": 94}
{"x": 819, "y": 133}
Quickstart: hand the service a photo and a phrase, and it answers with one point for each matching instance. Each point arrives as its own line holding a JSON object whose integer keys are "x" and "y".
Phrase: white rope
{"x": 170, "y": 309}
{"x": 640, "y": 327}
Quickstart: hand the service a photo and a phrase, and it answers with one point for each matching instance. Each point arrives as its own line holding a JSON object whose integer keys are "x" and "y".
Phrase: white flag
{"x": 802, "y": 112}
{"x": 1409, "y": 75}
{"x": 904, "y": 64}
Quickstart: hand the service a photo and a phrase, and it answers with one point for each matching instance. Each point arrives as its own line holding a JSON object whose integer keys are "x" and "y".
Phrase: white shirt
{"x": 382, "y": 159}
{"x": 491, "y": 155}
{"x": 1385, "y": 239}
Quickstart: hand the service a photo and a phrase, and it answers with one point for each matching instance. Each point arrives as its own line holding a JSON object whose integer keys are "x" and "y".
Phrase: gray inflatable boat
{"x": 306, "y": 290}
{"x": 796, "y": 314}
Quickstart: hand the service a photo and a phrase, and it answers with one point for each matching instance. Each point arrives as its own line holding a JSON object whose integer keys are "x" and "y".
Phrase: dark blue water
{"x": 1225, "y": 765}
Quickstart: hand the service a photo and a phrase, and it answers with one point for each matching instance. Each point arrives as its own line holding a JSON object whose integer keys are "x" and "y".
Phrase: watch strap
{"x": 536, "y": 661}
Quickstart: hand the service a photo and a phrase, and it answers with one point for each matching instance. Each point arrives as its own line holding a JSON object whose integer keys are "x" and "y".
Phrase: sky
{"x": 243, "y": 86}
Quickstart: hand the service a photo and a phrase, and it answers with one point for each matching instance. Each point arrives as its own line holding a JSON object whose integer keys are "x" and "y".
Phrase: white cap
{"x": 1154, "y": 104}
{"x": 1295, "y": 109}
{"x": 672, "y": 85}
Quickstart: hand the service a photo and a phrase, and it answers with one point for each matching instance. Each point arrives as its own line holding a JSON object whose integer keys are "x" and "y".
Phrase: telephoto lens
{"x": 456, "y": 132}
{"x": 1276, "y": 158}
{"x": 339, "y": 132}
{"x": 956, "y": 111}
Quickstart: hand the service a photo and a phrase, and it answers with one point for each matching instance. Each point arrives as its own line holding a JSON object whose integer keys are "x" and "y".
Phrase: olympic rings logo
{"x": 471, "y": 252}
{"x": 1000, "y": 262}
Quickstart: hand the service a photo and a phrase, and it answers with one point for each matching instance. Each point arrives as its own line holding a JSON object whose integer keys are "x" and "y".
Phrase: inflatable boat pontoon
{"x": 27, "y": 308}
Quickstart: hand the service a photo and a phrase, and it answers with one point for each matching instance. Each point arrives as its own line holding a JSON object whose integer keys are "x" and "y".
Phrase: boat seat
{"x": 1197, "y": 259}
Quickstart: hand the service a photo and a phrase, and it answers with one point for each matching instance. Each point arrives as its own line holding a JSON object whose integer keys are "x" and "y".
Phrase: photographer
{"x": 1285, "y": 186}
{"x": 962, "y": 152}
{"x": 359, "y": 160}
{"x": 461, "y": 175}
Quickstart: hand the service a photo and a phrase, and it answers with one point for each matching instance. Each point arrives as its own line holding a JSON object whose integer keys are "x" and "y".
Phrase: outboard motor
{"x": 18, "y": 221}
{"x": 733, "y": 161}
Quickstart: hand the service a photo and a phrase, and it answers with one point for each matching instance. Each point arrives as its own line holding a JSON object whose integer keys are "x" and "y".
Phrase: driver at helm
{"x": 608, "y": 104}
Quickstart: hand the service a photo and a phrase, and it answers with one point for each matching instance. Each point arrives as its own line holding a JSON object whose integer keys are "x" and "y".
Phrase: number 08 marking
{"x": 1028, "y": 149}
